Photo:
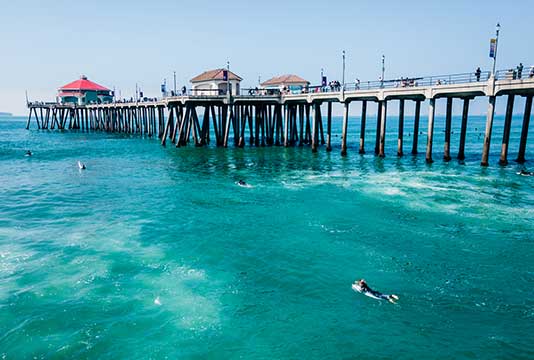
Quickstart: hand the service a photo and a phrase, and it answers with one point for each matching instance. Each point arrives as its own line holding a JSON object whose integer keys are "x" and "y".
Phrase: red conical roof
{"x": 83, "y": 84}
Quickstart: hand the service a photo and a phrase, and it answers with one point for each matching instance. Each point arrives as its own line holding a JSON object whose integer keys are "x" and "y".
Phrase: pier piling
{"x": 448, "y": 124}
{"x": 401, "y": 128}
{"x": 506, "y": 131}
{"x": 524, "y": 130}
{"x": 383, "y": 121}
{"x": 416, "y": 126}
{"x": 463, "y": 130}
{"x": 430, "y": 133}
{"x": 362, "y": 127}
{"x": 487, "y": 134}
{"x": 328, "y": 127}
{"x": 345, "y": 128}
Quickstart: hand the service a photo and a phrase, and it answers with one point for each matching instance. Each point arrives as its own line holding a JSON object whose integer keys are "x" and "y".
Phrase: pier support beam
{"x": 487, "y": 135}
{"x": 362, "y": 127}
{"x": 381, "y": 150}
{"x": 524, "y": 130}
{"x": 448, "y": 123}
{"x": 345, "y": 128}
{"x": 416, "y": 126}
{"x": 378, "y": 121}
{"x": 286, "y": 126}
{"x": 463, "y": 130}
{"x": 315, "y": 127}
{"x": 329, "y": 127}
{"x": 430, "y": 134}
{"x": 401, "y": 128}
{"x": 506, "y": 133}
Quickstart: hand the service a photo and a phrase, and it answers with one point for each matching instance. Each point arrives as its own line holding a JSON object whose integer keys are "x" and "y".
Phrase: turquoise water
{"x": 155, "y": 252}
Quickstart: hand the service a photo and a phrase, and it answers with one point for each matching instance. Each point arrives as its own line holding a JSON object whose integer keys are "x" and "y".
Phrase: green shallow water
{"x": 262, "y": 272}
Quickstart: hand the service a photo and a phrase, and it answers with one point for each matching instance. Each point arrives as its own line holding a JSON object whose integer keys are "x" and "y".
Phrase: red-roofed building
{"x": 84, "y": 91}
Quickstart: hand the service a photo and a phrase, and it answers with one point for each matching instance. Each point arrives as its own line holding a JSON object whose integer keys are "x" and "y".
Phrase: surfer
{"x": 525, "y": 173}
{"x": 242, "y": 183}
{"x": 81, "y": 166}
{"x": 28, "y": 153}
{"x": 361, "y": 286}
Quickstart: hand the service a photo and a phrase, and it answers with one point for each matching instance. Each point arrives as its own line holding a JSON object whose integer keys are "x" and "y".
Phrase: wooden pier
{"x": 296, "y": 119}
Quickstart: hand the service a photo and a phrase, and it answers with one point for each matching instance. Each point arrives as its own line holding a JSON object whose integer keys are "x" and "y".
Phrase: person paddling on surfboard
{"x": 362, "y": 287}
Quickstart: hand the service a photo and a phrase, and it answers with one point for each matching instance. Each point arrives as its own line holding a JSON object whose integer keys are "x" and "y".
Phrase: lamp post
{"x": 174, "y": 75}
{"x": 383, "y": 71}
{"x": 228, "y": 79}
{"x": 343, "y": 79}
{"x": 497, "y": 30}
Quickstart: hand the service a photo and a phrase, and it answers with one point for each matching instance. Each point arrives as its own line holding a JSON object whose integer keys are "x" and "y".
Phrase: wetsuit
{"x": 375, "y": 293}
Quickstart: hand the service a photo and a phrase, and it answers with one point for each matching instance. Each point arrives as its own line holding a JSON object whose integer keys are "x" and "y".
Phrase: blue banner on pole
{"x": 323, "y": 82}
{"x": 225, "y": 75}
{"x": 493, "y": 47}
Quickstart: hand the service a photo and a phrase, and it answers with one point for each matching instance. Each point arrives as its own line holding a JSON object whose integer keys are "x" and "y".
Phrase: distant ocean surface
{"x": 155, "y": 253}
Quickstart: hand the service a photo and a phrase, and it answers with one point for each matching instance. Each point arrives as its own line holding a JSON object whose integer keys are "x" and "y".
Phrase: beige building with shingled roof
{"x": 289, "y": 81}
{"x": 212, "y": 82}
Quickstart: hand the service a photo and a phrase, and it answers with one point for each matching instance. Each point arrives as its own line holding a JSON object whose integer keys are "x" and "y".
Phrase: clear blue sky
{"x": 46, "y": 44}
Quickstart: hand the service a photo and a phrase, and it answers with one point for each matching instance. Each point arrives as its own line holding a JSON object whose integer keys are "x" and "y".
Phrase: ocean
{"x": 156, "y": 253}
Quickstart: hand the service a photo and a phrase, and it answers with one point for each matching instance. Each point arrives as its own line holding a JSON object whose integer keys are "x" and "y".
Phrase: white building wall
{"x": 212, "y": 87}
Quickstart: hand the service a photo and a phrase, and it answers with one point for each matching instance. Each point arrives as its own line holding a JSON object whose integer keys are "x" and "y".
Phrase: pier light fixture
{"x": 228, "y": 79}
{"x": 343, "y": 79}
{"x": 174, "y": 88}
{"x": 497, "y": 30}
{"x": 383, "y": 71}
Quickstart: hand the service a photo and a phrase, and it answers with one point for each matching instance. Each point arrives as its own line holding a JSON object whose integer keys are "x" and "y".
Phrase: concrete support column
{"x": 401, "y": 128}
{"x": 430, "y": 134}
{"x": 463, "y": 131}
{"x": 345, "y": 128}
{"x": 315, "y": 127}
{"x": 448, "y": 123}
{"x": 362, "y": 127}
{"x": 416, "y": 126}
{"x": 506, "y": 133}
{"x": 381, "y": 150}
{"x": 524, "y": 130}
{"x": 286, "y": 126}
{"x": 487, "y": 135}
{"x": 329, "y": 128}
{"x": 227, "y": 119}
{"x": 378, "y": 121}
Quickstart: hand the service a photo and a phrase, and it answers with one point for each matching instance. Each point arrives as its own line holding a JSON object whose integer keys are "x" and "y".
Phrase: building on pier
{"x": 216, "y": 82}
{"x": 289, "y": 83}
{"x": 84, "y": 91}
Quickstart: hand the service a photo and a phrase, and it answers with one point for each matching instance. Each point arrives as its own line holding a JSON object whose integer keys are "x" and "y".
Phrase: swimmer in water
{"x": 81, "y": 166}
{"x": 361, "y": 286}
{"x": 525, "y": 173}
{"x": 28, "y": 153}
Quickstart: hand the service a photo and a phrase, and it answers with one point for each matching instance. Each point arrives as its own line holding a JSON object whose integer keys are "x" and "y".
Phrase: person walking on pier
{"x": 478, "y": 72}
{"x": 520, "y": 71}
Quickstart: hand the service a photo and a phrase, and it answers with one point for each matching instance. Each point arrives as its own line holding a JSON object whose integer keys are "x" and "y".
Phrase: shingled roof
{"x": 216, "y": 74}
{"x": 285, "y": 79}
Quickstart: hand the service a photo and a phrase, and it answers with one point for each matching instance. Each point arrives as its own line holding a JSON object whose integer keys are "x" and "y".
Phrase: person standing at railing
{"x": 531, "y": 74}
{"x": 520, "y": 71}
{"x": 478, "y": 72}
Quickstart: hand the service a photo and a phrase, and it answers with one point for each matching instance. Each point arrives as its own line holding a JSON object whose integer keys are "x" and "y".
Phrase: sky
{"x": 46, "y": 44}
